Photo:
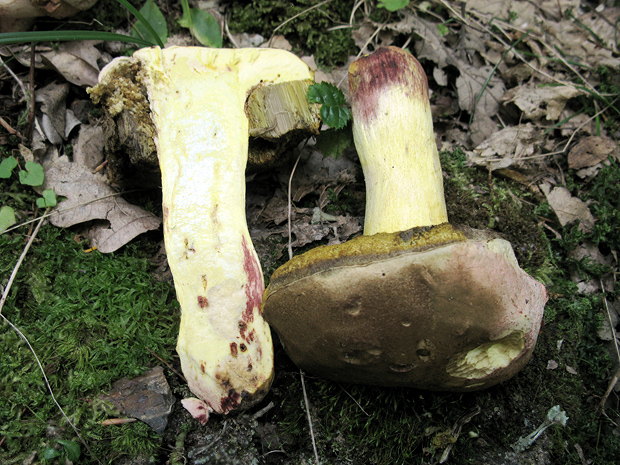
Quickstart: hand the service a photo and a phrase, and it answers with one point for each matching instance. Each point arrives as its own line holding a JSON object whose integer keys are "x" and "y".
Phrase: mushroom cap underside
{"x": 459, "y": 316}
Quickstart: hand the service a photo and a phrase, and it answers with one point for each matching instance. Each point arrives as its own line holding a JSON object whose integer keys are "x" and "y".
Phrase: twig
{"x": 167, "y": 364}
{"x": 14, "y": 76}
{"x": 32, "y": 96}
{"x": 57, "y": 211}
{"x": 353, "y": 10}
{"x": 263, "y": 411}
{"x": 616, "y": 377}
{"x": 307, "y": 403}
{"x": 10, "y": 130}
{"x": 354, "y": 400}
{"x": 456, "y": 431}
{"x": 289, "y": 206}
{"x": 117, "y": 421}
{"x": 21, "y": 335}
{"x": 296, "y": 16}
{"x": 290, "y": 255}
{"x": 228, "y": 34}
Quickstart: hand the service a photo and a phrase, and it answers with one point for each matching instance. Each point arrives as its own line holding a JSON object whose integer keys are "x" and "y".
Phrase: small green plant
{"x": 202, "y": 25}
{"x": 153, "y": 16}
{"x": 334, "y": 112}
{"x": 70, "y": 450}
{"x": 393, "y": 5}
{"x": 32, "y": 175}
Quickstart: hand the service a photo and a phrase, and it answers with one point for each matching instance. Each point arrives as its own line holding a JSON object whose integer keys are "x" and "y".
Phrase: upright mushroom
{"x": 197, "y": 103}
{"x": 415, "y": 301}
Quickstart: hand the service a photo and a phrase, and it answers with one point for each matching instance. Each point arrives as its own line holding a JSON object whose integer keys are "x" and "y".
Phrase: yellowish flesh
{"x": 197, "y": 98}
{"x": 487, "y": 358}
{"x": 397, "y": 150}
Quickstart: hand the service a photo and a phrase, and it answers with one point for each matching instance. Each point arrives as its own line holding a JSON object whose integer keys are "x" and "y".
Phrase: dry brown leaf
{"x": 245, "y": 40}
{"x": 576, "y": 44}
{"x": 590, "y": 151}
{"x": 432, "y": 46}
{"x": 482, "y": 128}
{"x": 88, "y": 149}
{"x": 278, "y": 41}
{"x": 75, "y": 61}
{"x": 317, "y": 171}
{"x": 494, "y": 8}
{"x": 538, "y": 102}
{"x": 89, "y": 198}
{"x": 53, "y": 116}
{"x": 506, "y": 148}
{"x": 568, "y": 208}
{"x": 469, "y": 85}
{"x": 558, "y": 8}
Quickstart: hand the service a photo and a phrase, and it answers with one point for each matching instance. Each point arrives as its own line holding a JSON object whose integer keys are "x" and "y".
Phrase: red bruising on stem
{"x": 233, "y": 349}
{"x": 254, "y": 286}
{"x": 371, "y": 76}
{"x": 230, "y": 402}
{"x": 166, "y": 225}
{"x": 202, "y": 301}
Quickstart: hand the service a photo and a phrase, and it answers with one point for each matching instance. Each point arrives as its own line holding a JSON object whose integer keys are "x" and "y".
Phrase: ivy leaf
{"x": 33, "y": 175}
{"x": 48, "y": 199}
{"x": 72, "y": 449}
{"x": 7, "y": 166}
{"x": 7, "y": 218}
{"x": 333, "y": 111}
{"x": 393, "y": 5}
{"x": 153, "y": 15}
{"x": 202, "y": 26}
{"x": 332, "y": 142}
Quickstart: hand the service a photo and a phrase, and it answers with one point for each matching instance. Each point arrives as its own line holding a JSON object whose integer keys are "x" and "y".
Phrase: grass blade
{"x": 62, "y": 36}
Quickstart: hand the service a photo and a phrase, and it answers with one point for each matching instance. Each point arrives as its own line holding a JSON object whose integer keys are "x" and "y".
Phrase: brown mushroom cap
{"x": 435, "y": 308}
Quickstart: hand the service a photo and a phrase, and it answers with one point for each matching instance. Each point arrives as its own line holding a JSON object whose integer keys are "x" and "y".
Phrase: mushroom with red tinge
{"x": 194, "y": 103}
{"x": 415, "y": 301}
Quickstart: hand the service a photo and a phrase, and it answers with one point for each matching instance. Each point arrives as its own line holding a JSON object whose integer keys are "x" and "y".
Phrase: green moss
{"x": 479, "y": 201}
{"x": 308, "y": 32}
{"x": 92, "y": 320}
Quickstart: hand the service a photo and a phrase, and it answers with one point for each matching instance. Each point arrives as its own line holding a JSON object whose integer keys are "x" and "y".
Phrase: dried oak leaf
{"x": 506, "y": 148}
{"x": 89, "y": 198}
{"x": 539, "y": 102}
{"x": 568, "y": 208}
{"x": 590, "y": 151}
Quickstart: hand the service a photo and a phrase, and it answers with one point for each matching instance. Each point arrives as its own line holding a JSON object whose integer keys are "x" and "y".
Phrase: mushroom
{"x": 197, "y": 101}
{"x": 414, "y": 301}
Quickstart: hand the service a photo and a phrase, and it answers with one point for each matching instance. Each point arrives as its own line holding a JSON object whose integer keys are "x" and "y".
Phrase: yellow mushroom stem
{"x": 394, "y": 138}
{"x": 197, "y": 100}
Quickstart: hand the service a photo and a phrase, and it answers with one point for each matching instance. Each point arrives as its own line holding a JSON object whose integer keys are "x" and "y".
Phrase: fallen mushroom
{"x": 197, "y": 103}
{"x": 415, "y": 301}
{"x": 18, "y": 15}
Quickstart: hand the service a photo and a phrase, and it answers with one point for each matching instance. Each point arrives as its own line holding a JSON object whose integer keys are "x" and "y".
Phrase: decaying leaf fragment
{"x": 506, "y": 148}
{"x": 568, "y": 208}
{"x": 591, "y": 151}
{"x": 541, "y": 102}
{"x": 88, "y": 198}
